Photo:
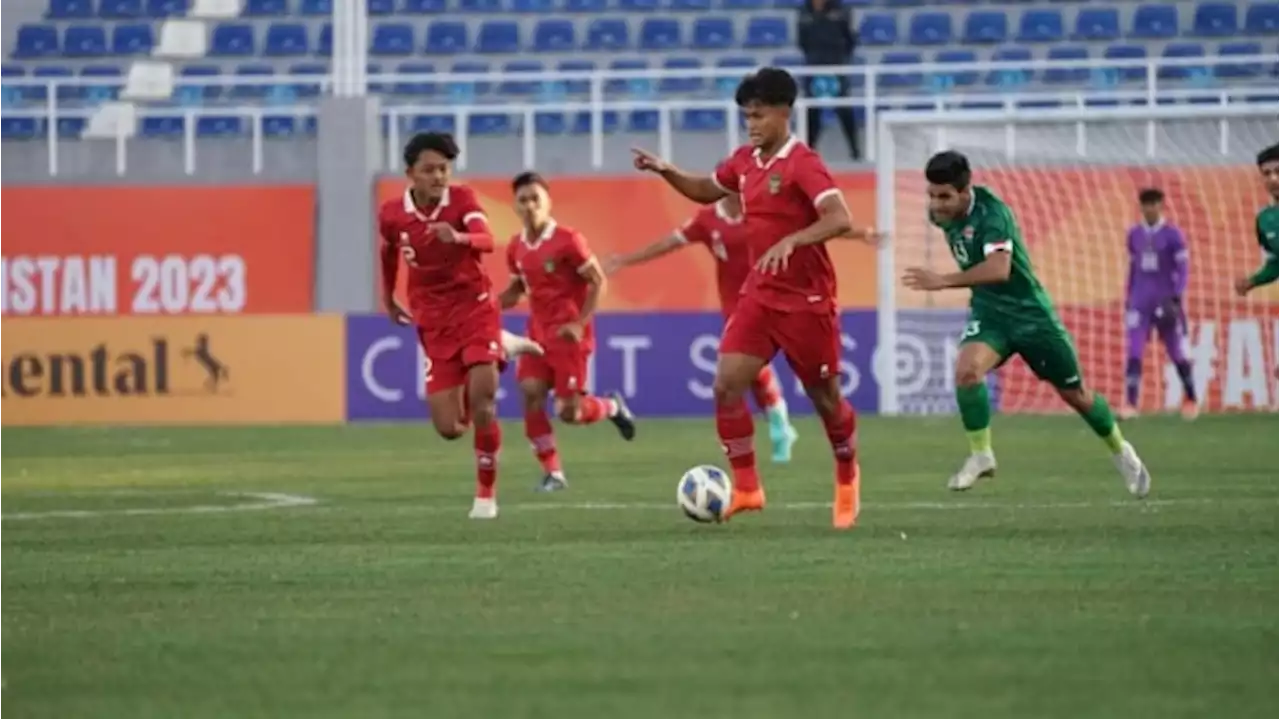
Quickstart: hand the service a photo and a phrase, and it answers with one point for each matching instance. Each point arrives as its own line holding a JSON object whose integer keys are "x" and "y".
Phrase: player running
{"x": 721, "y": 230}
{"x": 552, "y": 264}
{"x": 1157, "y": 280}
{"x": 1009, "y": 313}
{"x": 1267, "y": 224}
{"x": 441, "y": 232}
{"x": 791, "y": 206}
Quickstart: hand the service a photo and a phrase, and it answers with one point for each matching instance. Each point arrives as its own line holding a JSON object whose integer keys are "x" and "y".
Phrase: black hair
{"x": 949, "y": 168}
{"x": 438, "y": 142}
{"x": 1271, "y": 154}
{"x": 529, "y": 178}
{"x": 1150, "y": 196}
{"x": 770, "y": 86}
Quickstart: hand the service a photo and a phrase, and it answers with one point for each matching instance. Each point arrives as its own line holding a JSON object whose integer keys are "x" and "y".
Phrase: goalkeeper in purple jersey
{"x": 1153, "y": 300}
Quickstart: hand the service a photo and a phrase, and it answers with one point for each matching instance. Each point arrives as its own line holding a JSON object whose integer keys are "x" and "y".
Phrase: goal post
{"x": 1072, "y": 176}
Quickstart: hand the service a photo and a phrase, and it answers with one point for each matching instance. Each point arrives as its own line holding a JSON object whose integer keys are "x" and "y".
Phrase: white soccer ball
{"x": 704, "y": 493}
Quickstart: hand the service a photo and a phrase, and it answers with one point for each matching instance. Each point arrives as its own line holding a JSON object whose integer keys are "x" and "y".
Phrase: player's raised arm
{"x": 648, "y": 253}
{"x": 703, "y": 189}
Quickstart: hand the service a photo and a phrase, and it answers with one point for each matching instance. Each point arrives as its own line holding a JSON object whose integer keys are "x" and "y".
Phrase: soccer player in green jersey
{"x": 1266, "y": 224}
{"x": 1010, "y": 313}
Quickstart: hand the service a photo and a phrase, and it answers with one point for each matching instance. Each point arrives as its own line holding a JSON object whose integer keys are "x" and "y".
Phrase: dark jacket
{"x": 826, "y": 37}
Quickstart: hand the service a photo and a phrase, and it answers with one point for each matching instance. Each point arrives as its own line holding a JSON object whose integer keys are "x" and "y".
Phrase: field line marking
{"x": 263, "y": 500}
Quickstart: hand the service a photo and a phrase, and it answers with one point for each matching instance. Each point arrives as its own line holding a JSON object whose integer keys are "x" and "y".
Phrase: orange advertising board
{"x": 623, "y": 214}
{"x": 134, "y": 250}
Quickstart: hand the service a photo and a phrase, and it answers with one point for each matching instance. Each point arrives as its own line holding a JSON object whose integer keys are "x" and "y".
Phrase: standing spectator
{"x": 826, "y": 37}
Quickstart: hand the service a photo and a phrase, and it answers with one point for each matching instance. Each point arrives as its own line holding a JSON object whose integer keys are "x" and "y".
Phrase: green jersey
{"x": 990, "y": 227}
{"x": 1267, "y": 225}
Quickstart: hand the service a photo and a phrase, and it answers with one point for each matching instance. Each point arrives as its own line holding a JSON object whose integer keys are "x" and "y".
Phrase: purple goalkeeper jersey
{"x": 1157, "y": 265}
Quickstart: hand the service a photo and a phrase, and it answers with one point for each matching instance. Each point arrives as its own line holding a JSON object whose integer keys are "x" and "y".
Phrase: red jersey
{"x": 726, "y": 238}
{"x": 551, "y": 267}
{"x": 446, "y": 281}
{"x": 779, "y": 198}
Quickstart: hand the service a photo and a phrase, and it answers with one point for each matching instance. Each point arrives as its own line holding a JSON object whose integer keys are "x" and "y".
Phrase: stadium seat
{"x": 550, "y": 123}
{"x": 490, "y": 124}
{"x": 1010, "y": 77}
{"x": 533, "y": 6}
{"x": 70, "y": 10}
{"x": 1040, "y": 26}
{"x": 308, "y": 78}
{"x": 520, "y": 87}
{"x": 554, "y": 35}
{"x": 166, "y": 8}
{"x": 713, "y": 33}
{"x": 1155, "y": 22}
{"x": 576, "y": 87}
{"x": 207, "y": 92}
{"x": 414, "y": 87}
{"x": 498, "y": 36}
{"x": 1182, "y": 50}
{"x": 66, "y": 91}
{"x": 878, "y": 29}
{"x": 392, "y": 39}
{"x": 682, "y": 84}
{"x": 631, "y": 6}
{"x": 788, "y": 61}
{"x": 324, "y": 41}
{"x": 1056, "y": 75}
{"x": 381, "y": 7}
{"x": 585, "y": 6}
{"x": 901, "y": 79}
{"x": 316, "y": 8}
{"x": 287, "y": 39}
{"x": 84, "y": 41}
{"x": 480, "y": 5}
{"x": 446, "y": 37}
{"x": 727, "y": 85}
{"x": 460, "y": 90}
{"x": 162, "y": 126}
{"x": 960, "y": 78}
{"x": 1097, "y": 23}
{"x": 702, "y": 120}
{"x": 120, "y": 9}
{"x": 660, "y": 34}
{"x": 220, "y": 126}
{"x": 276, "y": 8}
{"x": 608, "y": 34}
{"x": 1215, "y": 20}
{"x": 233, "y": 39}
{"x": 930, "y": 28}
{"x": 21, "y": 128}
{"x": 102, "y": 93}
{"x": 424, "y": 7}
{"x": 745, "y": 4}
{"x": 1128, "y": 52}
{"x": 767, "y": 32}
{"x": 36, "y": 41}
{"x": 254, "y": 91}
{"x": 636, "y": 86}
{"x": 986, "y": 26}
{"x": 1262, "y": 18}
{"x": 1239, "y": 49}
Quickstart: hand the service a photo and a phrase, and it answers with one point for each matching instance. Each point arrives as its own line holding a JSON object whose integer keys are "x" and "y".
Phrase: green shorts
{"x": 1045, "y": 346}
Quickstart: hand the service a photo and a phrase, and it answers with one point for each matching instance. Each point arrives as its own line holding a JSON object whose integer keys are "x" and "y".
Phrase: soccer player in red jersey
{"x": 552, "y": 264}
{"x": 720, "y": 229}
{"x": 791, "y": 207}
{"x": 441, "y": 232}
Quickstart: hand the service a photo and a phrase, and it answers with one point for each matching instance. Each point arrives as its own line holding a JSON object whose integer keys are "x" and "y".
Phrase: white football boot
{"x": 515, "y": 345}
{"x": 977, "y": 466}
{"x": 484, "y": 508}
{"x": 1136, "y": 477}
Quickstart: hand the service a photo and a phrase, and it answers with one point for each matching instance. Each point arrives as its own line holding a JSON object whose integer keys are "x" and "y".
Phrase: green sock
{"x": 1103, "y": 423}
{"x": 975, "y": 414}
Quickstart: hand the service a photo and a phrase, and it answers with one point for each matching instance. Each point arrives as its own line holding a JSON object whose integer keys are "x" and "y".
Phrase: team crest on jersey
{"x": 968, "y": 232}
{"x": 775, "y": 183}
{"x": 549, "y": 266}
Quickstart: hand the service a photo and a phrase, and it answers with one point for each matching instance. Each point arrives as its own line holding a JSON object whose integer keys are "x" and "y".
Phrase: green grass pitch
{"x": 1044, "y": 593}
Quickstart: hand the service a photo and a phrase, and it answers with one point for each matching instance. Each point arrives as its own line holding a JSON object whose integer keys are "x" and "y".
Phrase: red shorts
{"x": 452, "y": 352}
{"x": 563, "y": 366}
{"x": 810, "y": 340}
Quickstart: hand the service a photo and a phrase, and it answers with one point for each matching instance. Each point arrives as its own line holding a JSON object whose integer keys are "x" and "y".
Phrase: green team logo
{"x": 549, "y": 266}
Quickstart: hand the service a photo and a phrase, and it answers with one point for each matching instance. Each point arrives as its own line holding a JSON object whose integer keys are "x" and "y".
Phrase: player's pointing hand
{"x": 918, "y": 278}
{"x": 775, "y": 259}
{"x": 444, "y": 232}
{"x": 646, "y": 161}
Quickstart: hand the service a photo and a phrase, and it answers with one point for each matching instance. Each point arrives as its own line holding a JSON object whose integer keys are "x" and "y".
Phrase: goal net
{"x": 1072, "y": 179}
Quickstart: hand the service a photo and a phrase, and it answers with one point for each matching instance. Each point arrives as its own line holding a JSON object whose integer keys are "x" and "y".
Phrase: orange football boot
{"x": 745, "y": 502}
{"x": 844, "y": 512}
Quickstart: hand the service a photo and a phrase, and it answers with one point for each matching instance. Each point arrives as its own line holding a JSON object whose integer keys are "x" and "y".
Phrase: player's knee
{"x": 450, "y": 430}
{"x": 728, "y": 391}
{"x": 825, "y": 397}
{"x": 969, "y": 374}
{"x": 1078, "y": 398}
{"x": 535, "y": 398}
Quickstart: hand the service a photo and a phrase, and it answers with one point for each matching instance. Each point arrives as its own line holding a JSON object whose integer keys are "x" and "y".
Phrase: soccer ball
{"x": 704, "y": 493}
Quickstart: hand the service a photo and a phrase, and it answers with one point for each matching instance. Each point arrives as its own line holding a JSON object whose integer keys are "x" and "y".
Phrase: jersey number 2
{"x": 410, "y": 255}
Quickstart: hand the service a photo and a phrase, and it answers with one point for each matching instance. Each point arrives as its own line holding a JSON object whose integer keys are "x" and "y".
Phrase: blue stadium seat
{"x": 702, "y": 120}
{"x": 521, "y": 87}
{"x": 788, "y": 61}
{"x": 1155, "y": 22}
{"x": 392, "y": 38}
{"x": 1239, "y": 49}
{"x": 466, "y": 89}
{"x": 727, "y": 85}
{"x": 959, "y": 78}
{"x": 490, "y": 124}
{"x": 642, "y": 121}
{"x": 878, "y": 29}
{"x": 324, "y": 41}
{"x": 480, "y": 5}
{"x": 316, "y": 8}
{"x": 550, "y": 123}
{"x": 274, "y": 8}
{"x": 576, "y": 87}
{"x": 120, "y": 9}
{"x": 84, "y": 41}
{"x": 498, "y": 36}
{"x": 765, "y": 32}
{"x": 414, "y": 87}
{"x": 21, "y": 128}
{"x": 1056, "y": 75}
{"x": 245, "y": 91}
{"x": 1097, "y": 23}
{"x": 1262, "y": 18}
{"x": 682, "y": 84}
{"x": 689, "y": 5}
{"x": 36, "y": 41}
{"x": 70, "y": 127}
{"x": 1216, "y": 19}
{"x": 166, "y": 8}
{"x": 660, "y": 33}
{"x": 232, "y": 39}
{"x": 311, "y": 75}
{"x": 220, "y": 126}
{"x": 744, "y": 4}
{"x": 633, "y": 87}
{"x": 381, "y": 7}
{"x": 608, "y": 34}
{"x": 132, "y": 39}
{"x": 102, "y": 93}
{"x": 713, "y": 33}
{"x": 533, "y": 6}
{"x": 287, "y": 39}
{"x": 1182, "y": 50}
{"x": 637, "y": 5}
{"x": 585, "y": 6}
{"x": 1040, "y": 26}
{"x": 55, "y": 72}
{"x": 901, "y": 79}
{"x": 1010, "y": 77}
{"x": 70, "y": 10}
{"x": 197, "y": 92}
{"x": 1128, "y": 52}
{"x": 986, "y": 26}
{"x": 554, "y": 35}
{"x": 446, "y": 37}
{"x": 930, "y": 28}
{"x": 425, "y": 7}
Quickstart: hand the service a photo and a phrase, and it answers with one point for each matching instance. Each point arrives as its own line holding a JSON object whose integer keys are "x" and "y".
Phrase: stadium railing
{"x": 989, "y": 85}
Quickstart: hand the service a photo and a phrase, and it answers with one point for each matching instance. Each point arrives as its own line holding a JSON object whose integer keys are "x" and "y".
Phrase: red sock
{"x": 488, "y": 440}
{"x": 737, "y": 437}
{"x": 765, "y": 389}
{"x": 537, "y": 427}
{"x": 592, "y": 409}
{"x": 842, "y": 432}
